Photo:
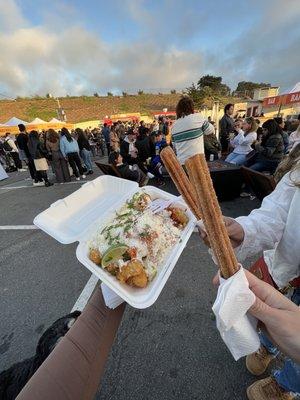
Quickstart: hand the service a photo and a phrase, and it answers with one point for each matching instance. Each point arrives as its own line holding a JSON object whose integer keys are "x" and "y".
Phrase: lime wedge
{"x": 113, "y": 253}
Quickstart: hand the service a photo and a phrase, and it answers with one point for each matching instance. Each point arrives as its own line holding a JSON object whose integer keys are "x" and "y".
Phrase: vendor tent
{"x": 37, "y": 121}
{"x": 56, "y": 121}
{"x": 14, "y": 121}
{"x": 296, "y": 88}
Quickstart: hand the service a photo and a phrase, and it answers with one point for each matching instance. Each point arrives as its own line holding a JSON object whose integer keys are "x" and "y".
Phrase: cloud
{"x": 75, "y": 61}
{"x": 62, "y": 56}
{"x": 10, "y": 15}
{"x": 266, "y": 52}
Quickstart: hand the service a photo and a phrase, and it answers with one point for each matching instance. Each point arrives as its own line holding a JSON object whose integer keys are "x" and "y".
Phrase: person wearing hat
{"x": 212, "y": 146}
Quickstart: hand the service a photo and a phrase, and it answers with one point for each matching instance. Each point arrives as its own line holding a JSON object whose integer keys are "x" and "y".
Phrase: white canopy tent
{"x": 296, "y": 88}
{"x": 14, "y": 121}
{"x": 37, "y": 121}
{"x": 56, "y": 121}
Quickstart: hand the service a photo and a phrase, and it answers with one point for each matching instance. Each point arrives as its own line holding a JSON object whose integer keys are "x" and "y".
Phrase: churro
{"x": 211, "y": 213}
{"x": 181, "y": 180}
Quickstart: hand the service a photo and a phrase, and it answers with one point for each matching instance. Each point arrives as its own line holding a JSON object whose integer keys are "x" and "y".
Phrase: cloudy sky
{"x": 80, "y": 47}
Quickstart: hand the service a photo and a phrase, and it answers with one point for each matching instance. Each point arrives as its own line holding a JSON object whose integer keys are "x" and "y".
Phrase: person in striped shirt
{"x": 188, "y": 130}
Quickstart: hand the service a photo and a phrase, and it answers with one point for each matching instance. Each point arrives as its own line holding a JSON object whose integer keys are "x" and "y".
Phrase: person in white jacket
{"x": 274, "y": 228}
{"x": 11, "y": 148}
{"x": 242, "y": 142}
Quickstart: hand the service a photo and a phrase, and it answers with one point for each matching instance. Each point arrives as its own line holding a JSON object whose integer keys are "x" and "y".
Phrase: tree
{"x": 195, "y": 94}
{"x": 109, "y": 94}
{"x": 215, "y": 83}
{"x": 173, "y": 91}
{"x": 246, "y": 88}
{"x": 208, "y": 87}
{"x": 96, "y": 94}
{"x": 124, "y": 94}
{"x": 140, "y": 92}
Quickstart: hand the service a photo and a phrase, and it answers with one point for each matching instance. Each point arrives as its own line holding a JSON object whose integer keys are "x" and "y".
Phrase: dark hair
{"x": 66, "y": 133}
{"x": 279, "y": 120}
{"x": 52, "y": 136}
{"x": 298, "y": 117}
{"x": 113, "y": 156}
{"x": 7, "y": 134}
{"x": 130, "y": 131}
{"x": 105, "y": 124}
{"x": 273, "y": 129}
{"x": 80, "y": 133}
{"x": 34, "y": 134}
{"x": 21, "y": 127}
{"x": 185, "y": 106}
{"x": 226, "y": 108}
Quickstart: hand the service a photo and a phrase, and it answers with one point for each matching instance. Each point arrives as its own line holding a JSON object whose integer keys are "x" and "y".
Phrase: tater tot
{"x": 95, "y": 256}
{"x": 140, "y": 280}
{"x": 132, "y": 268}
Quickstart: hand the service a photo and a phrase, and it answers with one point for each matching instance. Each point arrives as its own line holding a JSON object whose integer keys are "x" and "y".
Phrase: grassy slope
{"x": 86, "y": 108}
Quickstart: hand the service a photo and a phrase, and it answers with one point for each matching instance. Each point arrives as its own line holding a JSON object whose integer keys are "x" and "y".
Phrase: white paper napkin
{"x": 111, "y": 299}
{"x": 237, "y": 328}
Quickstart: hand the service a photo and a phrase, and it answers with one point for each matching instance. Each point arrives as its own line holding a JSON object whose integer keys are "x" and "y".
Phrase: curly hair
{"x": 289, "y": 163}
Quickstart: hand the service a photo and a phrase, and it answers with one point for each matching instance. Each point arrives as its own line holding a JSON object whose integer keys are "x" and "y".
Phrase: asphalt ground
{"x": 171, "y": 350}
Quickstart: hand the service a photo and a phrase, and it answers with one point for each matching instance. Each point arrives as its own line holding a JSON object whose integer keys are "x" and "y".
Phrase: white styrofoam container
{"x": 80, "y": 215}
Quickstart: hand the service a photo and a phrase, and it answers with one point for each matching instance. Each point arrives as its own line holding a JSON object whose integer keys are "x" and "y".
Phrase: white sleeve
{"x": 235, "y": 141}
{"x": 13, "y": 145}
{"x": 264, "y": 226}
{"x": 246, "y": 140}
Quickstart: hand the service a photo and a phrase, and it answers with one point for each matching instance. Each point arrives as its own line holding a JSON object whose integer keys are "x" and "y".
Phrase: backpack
{"x": 7, "y": 146}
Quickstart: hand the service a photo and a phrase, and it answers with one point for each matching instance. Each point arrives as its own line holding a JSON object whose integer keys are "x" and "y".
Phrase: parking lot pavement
{"x": 168, "y": 351}
{"x": 40, "y": 279}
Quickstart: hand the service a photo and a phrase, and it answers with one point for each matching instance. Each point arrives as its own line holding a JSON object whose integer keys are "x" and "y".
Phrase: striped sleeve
{"x": 187, "y": 135}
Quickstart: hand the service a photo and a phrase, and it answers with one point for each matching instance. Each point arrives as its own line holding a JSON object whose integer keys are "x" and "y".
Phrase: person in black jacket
{"x": 128, "y": 150}
{"x": 145, "y": 146}
{"x": 269, "y": 149}
{"x": 22, "y": 142}
{"x": 38, "y": 153}
{"x": 130, "y": 172}
{"x": 85, "y": 150}
{"x": 226, "y": 126}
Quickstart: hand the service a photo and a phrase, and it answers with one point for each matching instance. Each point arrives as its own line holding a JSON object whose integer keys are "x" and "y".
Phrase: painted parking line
{"x": 31, "y": 186}
{"x": 14, "y": 187}
{"x": 86, "y": 293}
{"x": 17, "y": 227}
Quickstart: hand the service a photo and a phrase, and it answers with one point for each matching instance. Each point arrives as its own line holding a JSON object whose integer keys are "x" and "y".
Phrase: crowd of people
{"x": 132, "y": 148}
{"x": 260, "y": 147}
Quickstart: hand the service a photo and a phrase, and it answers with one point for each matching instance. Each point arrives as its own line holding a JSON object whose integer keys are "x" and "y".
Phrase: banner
{"x": 293, "y": 98}
{"x": 272, "y": 101}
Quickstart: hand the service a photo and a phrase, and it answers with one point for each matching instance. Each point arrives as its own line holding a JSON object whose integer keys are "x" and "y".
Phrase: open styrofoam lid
{"x": 67, "y": 219}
